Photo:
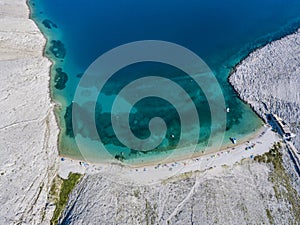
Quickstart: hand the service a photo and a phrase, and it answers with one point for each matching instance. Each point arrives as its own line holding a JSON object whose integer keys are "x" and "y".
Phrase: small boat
{"x": 233, "y": 140}
{"x": 227, "y": 110}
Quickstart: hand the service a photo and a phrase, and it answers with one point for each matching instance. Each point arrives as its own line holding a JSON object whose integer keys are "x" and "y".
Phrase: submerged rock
{"x": 68, "y": 121}
{"x": 79, "y": 75}
{"x": 60, "y": 79}
{"x": 58, "y": 49}
{"x": 49, "y": 24}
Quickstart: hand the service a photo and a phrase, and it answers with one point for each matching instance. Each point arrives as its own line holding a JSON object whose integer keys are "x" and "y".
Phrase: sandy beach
{"x": 149, "y": 174}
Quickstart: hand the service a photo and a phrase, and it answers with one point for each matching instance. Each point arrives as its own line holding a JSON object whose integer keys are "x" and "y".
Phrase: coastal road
{"x": 294, "y": 155}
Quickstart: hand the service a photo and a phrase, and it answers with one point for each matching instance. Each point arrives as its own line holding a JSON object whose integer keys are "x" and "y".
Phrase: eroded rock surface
{"x": 242, "y": 194}
{"x": 28, "y": 131}
{"x": 269, "y": 80}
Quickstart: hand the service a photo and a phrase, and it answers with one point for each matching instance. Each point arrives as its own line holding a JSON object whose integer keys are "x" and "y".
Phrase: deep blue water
{"x": 220, "y": 32}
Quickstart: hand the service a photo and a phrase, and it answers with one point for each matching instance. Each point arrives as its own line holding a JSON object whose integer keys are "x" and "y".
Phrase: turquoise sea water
{"x": 221, "y": 33}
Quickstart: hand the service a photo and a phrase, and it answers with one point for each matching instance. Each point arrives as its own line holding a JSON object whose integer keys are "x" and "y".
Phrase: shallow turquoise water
{"x": 221, "y": 33}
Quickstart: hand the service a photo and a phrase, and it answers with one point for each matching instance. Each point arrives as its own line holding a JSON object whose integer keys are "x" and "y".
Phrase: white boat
{"x": 233, "y": 140}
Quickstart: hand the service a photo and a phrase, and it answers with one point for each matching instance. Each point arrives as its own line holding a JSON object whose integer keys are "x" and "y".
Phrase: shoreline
{"x": 259, "y": 144}
{"x": 212, "y": 151}
{"x": 272, "y": 96}
{"x": 53, "y": 103}
{"x": 233, "y": 71}
{"x": 226, "y": 146}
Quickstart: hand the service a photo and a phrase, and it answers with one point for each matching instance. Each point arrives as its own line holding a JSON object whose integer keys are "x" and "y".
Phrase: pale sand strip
{"x": 28, "y": 130}
{"x": 151, "y": 174}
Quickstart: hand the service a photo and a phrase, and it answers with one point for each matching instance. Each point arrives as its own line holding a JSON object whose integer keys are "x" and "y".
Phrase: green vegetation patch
{"x": 269, "y": 215}
{"x": 281, "y": 179}
{"x": 274, "y": 156}
{"x": 182, "y": 176}
{"x": 150, "y": 213}
{"x": 60, "y": 191}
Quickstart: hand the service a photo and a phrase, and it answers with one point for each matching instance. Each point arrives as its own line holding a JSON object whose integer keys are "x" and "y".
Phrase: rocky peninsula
{"x": 269, "y": 80}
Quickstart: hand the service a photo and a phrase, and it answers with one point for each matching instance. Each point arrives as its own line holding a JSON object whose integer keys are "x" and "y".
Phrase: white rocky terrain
{"x": 241, "y": 194}
{"x": 28, "y": 131}
{"x": 269, "y": 80}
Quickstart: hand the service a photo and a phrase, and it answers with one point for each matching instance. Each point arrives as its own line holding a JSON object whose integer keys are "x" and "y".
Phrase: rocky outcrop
{"x": 28, "y": 131}
{"x": 269, "y": 80}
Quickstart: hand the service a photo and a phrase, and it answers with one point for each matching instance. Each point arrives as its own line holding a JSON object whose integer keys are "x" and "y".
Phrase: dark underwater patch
{"x": 79, "y": 75}
{"x": 49, "y": 24}
{"x": 58, "y": 49}
{"x": 68, "y": 121}
{"x": 60, "y": 79}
